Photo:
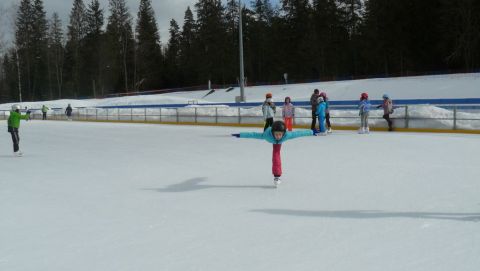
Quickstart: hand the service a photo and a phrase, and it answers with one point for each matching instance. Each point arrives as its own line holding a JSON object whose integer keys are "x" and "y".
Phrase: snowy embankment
{"x": 456, "y": 86}
{"x": 86, "y": 196}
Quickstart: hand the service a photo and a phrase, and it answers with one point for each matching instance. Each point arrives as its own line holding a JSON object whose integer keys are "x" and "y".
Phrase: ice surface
{"x": 90, "y": 196}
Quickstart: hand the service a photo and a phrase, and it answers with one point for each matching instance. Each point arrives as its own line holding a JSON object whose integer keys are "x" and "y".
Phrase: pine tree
{"x": 260, "y": 56}
{"x": 148, "y": 53}
{"x": 297, "y": 28}
{"x": 75, "y": 44}
{"x": 24, "y": 46}
{"x": 212, "y": 42}
{"x": 40, "y": 76}
{"x": 119, "y": 46}
{"x": 188, "y": 50}
{"x": 93, "y": 52}
{"x": 461, "y": 31}
{"x": 56, "y": 53}
{"x": 172, "y": 56}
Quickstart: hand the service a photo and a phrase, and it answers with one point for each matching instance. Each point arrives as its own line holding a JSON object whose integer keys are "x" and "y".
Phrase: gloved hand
{"x": 236, "y": 135}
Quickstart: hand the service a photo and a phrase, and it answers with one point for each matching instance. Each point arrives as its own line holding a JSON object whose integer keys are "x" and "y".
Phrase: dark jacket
{"x": 68, "y": 111}
{"x": 314, "y": 102}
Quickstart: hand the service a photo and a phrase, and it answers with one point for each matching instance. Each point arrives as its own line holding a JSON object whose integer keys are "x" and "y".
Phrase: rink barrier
{"x": 253, "y": 125}
{"x": 225, "y": 116}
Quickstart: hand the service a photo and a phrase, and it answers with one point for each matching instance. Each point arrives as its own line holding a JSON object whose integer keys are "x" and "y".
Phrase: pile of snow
{"x": 419, "y": 87}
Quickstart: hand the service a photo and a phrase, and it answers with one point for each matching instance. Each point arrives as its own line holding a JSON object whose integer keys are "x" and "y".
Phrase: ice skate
{"x": 361, "y": 131}
{"x": 18, "y": 154}
{"x": 329, "y": 130}
{"x": 276, "y": 181}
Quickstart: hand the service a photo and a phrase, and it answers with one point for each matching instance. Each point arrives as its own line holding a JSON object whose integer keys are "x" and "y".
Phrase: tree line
{"x": 103, "y": 50}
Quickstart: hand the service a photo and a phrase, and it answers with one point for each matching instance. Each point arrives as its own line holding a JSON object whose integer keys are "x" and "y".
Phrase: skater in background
{"x": 364, "y": 109}
{"x": 44, "y": 112}
{"x": 288, "y": 113}
{"x": 277, "y": 134}
{"x": 269, "y": 111}
{"x": 68, "y": 112}
{"x": 327, "y": 111}
{"x": 314, "y": 104}
{"x": 321, "y": 109}
{"x": 14, "y": 125}
{"x": 387, "y": 106}
{"x": 27, "y": 111}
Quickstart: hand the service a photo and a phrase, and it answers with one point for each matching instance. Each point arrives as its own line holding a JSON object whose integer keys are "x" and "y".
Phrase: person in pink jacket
{"x": 288, "y": 113}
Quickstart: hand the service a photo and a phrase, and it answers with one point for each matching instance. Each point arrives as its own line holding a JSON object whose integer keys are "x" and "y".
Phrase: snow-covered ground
{"x": 452, "y": 86}
{"x": 90, "y": 196}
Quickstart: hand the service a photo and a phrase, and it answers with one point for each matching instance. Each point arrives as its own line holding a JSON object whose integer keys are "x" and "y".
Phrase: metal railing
{"x": 456, "y": 117}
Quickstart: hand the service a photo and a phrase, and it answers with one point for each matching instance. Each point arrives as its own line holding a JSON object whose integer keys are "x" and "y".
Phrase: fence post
{"x": 216, "y": 114}
{"x": 118, "y": 114}
{"x": 406, "y": 117}
{"x": 455, "y": 117}
{"x": 145, "y": 111}
{"x": 195, "y": 115}
{"x": 176, "y": 112}
{"x": 239, "y": 116}
{"x": 107, "y": 113}
{"x": 131, "y": 114}
{"x": 96, "y": 113}
{"x": 160, "y": 116}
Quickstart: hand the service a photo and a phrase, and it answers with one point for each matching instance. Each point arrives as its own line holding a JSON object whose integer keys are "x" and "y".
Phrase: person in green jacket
{"x": 14, "y": 125}
{"x": 44, "y": 112}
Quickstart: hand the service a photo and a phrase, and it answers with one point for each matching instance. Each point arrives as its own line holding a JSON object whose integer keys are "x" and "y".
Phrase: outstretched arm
{"x": 251, "y": 135}
{"x": 300, "y": 133}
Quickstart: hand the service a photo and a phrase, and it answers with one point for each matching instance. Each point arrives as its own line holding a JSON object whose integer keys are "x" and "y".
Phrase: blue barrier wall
{"x": 468, "y": 101}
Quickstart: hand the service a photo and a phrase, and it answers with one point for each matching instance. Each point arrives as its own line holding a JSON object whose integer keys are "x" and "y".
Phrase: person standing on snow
{"x": 288, "y": 113}
{"x": 14, "y": 125}
{"x": 314, "y": 104}
{"x": 327, "y": 111}
{"x": 68, "y": 112}
{"x": 364, "y": 109}
{"x": 269, "y": 110}
{"x": 387, "y": 106}
{"x": 277, "y": 134}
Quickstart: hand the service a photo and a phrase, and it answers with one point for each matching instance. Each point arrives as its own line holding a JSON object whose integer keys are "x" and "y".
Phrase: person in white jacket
{"x": 269, "y": 110}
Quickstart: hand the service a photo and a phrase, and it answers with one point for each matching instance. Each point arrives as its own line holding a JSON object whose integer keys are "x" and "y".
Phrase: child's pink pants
{"x": 276, "y": 160}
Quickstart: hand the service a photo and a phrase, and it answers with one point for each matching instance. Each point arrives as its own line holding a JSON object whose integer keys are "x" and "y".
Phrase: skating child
{"x": 387, "y": 106}
{"x": 68, "y": 112}
{"x": 364, "y": 109}
{"x": 14, "y": 125}
{"x": 327, "y": 111}
{"x": 276, "y": 135}
{"x": 321, "y": 108}
{"x": 269, "y": 110}
{"x": 288, "y": 113}
{"x": 44, "y": 112}
{"x": 314, "y": 104}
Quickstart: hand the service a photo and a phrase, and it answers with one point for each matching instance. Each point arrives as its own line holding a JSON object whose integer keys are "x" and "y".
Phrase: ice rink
{"x": 97, "y": 196}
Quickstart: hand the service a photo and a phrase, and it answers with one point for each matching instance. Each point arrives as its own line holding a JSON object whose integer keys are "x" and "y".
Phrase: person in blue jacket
{"x": 321, "y": 113}
{"x": 277, "y": 134}
{"x": 364, "y": 110}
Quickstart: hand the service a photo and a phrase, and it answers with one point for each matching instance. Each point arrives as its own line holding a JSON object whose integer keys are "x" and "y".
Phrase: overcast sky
{"x": 165, "y": 10}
